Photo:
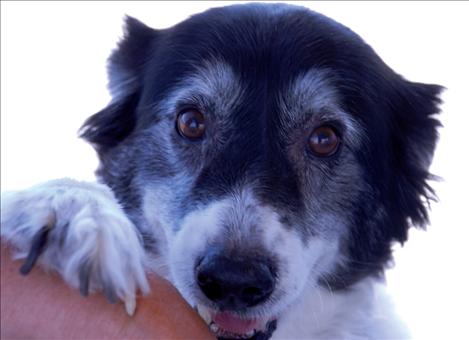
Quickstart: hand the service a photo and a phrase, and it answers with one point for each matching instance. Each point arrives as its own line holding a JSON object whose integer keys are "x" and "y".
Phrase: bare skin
{"x": 40, "y": 305}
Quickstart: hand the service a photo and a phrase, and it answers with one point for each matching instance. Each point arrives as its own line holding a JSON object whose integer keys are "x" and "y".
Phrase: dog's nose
{"x": 235, "y": 284}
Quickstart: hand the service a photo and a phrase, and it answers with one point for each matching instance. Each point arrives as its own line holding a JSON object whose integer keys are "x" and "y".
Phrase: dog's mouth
{"x": 228, "y": 325}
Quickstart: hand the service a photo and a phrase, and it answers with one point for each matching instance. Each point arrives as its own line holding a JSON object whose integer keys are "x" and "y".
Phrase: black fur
{"x": 267, "y": 45}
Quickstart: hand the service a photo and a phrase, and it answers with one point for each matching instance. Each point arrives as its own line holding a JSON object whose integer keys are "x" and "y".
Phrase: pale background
{"x": 53, "y": 76}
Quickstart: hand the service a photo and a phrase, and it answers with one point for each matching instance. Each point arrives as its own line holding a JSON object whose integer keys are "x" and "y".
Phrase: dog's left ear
{"x": 126, "y": 66}
{"x": 414, "y": 137}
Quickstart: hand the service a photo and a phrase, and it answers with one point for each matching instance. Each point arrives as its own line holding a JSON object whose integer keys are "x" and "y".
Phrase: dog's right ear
{"x": 126, "y": 65}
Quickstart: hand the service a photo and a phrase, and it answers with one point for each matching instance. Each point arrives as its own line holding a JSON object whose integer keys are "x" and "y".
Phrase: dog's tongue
{"x": 233, "y": 324}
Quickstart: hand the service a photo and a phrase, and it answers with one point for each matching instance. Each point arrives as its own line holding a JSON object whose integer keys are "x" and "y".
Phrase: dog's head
{"x": 274, "y": 149}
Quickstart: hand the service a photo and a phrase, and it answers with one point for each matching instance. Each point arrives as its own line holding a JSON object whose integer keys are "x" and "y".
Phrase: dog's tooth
{"x": 204, "y": 313}
{"x": 214, "y": 327}
{"x": 130, "y": 304}
{"x": 250, "y": 334}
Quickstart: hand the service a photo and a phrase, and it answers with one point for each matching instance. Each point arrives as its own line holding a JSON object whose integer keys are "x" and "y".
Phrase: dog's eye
{"x": 324, "y": 141}
{"x": 191, "y": 124}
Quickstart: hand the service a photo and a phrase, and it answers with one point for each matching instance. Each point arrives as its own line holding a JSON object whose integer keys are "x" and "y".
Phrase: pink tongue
{"x": 233, "y": 324}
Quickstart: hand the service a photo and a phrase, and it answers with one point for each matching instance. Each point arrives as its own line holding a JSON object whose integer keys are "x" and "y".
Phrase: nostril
{"x": 212, "y": 289}
{"x": 202, "y": 279}
{"x": 252, "y": 292}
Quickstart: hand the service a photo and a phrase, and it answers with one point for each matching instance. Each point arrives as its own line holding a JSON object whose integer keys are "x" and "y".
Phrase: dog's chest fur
{"x": 365, "y": 311}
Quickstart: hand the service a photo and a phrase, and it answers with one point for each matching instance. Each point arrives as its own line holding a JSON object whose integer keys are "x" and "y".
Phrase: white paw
{"x": 78, "y": 229}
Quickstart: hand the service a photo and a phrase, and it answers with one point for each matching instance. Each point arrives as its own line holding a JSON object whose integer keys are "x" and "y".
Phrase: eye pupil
{"x": 324, "y": 141}
{"x": 191, "y": 124}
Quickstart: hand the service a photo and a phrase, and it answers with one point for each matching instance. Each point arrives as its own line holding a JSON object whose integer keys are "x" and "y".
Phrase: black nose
{"x": 235, "y": 284}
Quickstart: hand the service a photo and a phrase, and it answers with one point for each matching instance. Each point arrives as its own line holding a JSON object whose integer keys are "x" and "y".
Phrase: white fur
{"x": 364, "y": 311}
{"x": 198, "y": 229}
{"x": 87, "y": 225}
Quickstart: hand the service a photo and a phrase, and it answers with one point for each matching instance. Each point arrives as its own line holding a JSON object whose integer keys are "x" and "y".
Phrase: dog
{"x": 262, "y": 158}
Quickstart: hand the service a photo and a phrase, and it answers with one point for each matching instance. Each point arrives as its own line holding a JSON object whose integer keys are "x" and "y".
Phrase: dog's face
{"x": 272, "y": 147}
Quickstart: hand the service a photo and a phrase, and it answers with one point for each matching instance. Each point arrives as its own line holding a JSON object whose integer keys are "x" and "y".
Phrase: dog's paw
{"x": 78, "y": 229}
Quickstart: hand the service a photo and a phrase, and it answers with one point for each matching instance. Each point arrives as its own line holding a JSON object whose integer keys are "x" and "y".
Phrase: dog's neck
{"x": 364, "y": 311}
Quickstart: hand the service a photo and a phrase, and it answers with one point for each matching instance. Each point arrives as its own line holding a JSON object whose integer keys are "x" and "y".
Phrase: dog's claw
{"x": 110, "y": 294}
{"x": 85, "y": 272}
{"x": 37, "y": 247}
{"x": 130, "y": 304}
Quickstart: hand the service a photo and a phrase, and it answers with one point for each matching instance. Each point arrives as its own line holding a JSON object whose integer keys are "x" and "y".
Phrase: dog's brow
{"x": 312, "y": 95}
{"x": 308, "y": 92}
{"x": 214, "y": 82}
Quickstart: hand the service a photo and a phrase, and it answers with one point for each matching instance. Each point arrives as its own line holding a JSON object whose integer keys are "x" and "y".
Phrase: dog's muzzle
{"x": 234, "y": 285}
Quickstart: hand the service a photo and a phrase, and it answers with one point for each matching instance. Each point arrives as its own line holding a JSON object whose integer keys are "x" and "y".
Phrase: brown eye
{"x": 324, "y": 141}
{"x": 191, "y": 124}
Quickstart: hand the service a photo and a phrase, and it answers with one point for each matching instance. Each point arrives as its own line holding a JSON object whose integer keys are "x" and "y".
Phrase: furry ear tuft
{"x": 126, "y": 66}
{"x": 112, "y": 125}
{"x": 415, "y": 135}
{"x": 126, "y": 63}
